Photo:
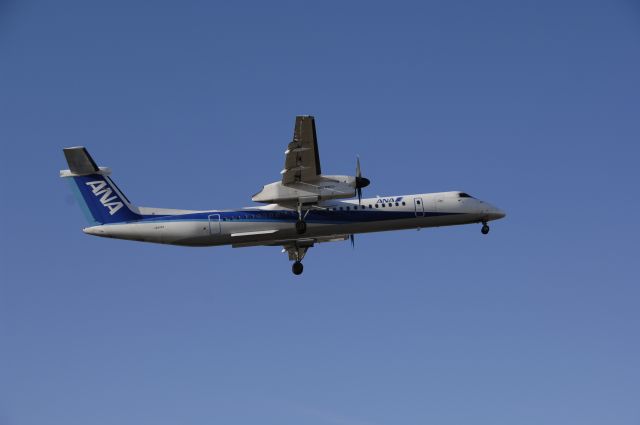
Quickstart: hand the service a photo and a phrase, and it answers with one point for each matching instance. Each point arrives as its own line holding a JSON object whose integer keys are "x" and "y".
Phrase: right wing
{"x": 302, "y": 183}
{"x": 302, "y": 161}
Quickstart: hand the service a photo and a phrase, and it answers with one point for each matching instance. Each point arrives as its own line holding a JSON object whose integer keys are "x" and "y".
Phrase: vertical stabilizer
{"x": 102, "y": 200}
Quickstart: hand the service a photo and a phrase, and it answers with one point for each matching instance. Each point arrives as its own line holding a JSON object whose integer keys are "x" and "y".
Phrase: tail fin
{"x": 102, "y": 200}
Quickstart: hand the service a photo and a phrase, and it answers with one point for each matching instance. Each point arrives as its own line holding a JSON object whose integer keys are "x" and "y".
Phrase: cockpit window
{"x": 465, "y": 195}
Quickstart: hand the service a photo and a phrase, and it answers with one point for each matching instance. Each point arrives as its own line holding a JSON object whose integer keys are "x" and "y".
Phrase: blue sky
{"x": 532, "y": 106}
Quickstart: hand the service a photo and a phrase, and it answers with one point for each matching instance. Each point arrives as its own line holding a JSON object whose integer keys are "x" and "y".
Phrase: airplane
{"x": 302, "y": 209}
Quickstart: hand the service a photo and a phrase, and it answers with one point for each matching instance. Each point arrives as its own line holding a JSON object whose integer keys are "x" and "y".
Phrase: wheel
{"x": 301, "y": 227}
{"x": 297, "y": 268}
{"x": 485, "y": 229}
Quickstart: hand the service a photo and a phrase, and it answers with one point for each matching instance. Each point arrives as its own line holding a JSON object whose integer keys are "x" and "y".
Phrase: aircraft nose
{"x": 493, "y": 213}
{"x": 497, "y": 214}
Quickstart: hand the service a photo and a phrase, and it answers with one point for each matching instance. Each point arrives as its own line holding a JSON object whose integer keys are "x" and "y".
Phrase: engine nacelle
{"x": 324, "y": 188}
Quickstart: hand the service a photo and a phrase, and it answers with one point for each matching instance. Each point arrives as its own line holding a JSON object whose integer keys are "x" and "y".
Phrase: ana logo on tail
{"x": 100, "y": 187}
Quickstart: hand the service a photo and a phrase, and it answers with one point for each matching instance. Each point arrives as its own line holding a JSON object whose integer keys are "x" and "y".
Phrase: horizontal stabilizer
{"x": 80, "y": 162}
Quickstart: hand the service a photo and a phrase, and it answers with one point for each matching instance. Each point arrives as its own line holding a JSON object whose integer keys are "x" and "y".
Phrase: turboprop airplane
{"x": 302, "y": 209}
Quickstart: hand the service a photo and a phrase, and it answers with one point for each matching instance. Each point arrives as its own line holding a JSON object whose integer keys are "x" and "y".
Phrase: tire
{"x": 485, "y": 229}
{"x": 297, "y": 268}
{"x": 301, "y": 227}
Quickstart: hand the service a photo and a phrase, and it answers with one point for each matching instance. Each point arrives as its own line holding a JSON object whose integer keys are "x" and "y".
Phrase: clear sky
{"x": 532, "y": 106}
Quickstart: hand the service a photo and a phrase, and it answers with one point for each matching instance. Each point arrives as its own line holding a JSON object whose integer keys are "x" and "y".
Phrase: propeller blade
{"x": 360, "y": 181}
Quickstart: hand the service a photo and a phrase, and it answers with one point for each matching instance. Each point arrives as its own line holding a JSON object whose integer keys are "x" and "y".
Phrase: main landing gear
{"x": 296, "y": 253}
{"x": 297, "y": 268}
{"x": 485, "y": 228}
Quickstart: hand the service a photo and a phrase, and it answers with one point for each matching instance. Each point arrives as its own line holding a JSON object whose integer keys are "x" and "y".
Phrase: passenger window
{"x": 376, "y": 205}
{"x": 390, "y": 205}
{"x": 418, "y": 202}
{"x": 397, "y": 204}
{"x": 370, "y": 206}
{"x": 404, "y": 203}
{"x": 340, "y": 208}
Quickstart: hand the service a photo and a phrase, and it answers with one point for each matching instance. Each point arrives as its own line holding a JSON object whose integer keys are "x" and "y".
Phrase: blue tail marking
{"x": 103, "y": 201}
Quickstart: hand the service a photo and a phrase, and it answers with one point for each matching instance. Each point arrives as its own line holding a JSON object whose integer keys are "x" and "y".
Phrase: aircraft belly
{"x": 190, "y": 233}
{"x": 286, "y": 230}
{"x": 205, "y": 233}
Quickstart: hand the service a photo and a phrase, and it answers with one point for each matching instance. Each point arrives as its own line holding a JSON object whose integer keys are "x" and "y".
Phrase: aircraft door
{"x": 418, "y": 203}
{"x": 214, "y": 224}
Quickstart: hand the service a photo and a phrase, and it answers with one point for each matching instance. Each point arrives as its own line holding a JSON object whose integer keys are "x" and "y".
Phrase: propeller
{"x": 360, "y": 181}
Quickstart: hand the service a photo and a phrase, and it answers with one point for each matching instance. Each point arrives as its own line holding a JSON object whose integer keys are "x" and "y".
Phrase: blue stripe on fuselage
{"x": 290, "y": 216}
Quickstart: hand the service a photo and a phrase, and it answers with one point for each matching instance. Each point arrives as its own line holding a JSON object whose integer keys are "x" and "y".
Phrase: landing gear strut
{"x": 297, "y": 268}
{"x": 301, "y": 225}
{"x": 485, "y": 228}
{"x": 296, "y": 254}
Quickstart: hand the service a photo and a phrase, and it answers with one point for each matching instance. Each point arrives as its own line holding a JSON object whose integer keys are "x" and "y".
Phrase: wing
{"x": 302, "y": 185}
{"x": 302, "y": 162}
{"x": 288, "y": 243}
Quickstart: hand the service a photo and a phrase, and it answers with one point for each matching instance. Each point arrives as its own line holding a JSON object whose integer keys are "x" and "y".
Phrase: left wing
{"x": 296, "y": 249}
{"x": 302, "y": 161}
{"x": 292, "y": 242}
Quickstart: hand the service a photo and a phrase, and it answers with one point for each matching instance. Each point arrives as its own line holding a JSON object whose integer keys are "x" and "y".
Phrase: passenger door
{"x": 214, "y": 224}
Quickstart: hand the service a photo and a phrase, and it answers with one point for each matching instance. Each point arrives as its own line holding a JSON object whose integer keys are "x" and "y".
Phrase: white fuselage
{"x": 273, "y": 223}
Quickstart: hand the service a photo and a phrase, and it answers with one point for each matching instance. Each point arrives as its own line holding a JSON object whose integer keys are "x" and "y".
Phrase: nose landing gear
{"x": 485, "y": 228}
